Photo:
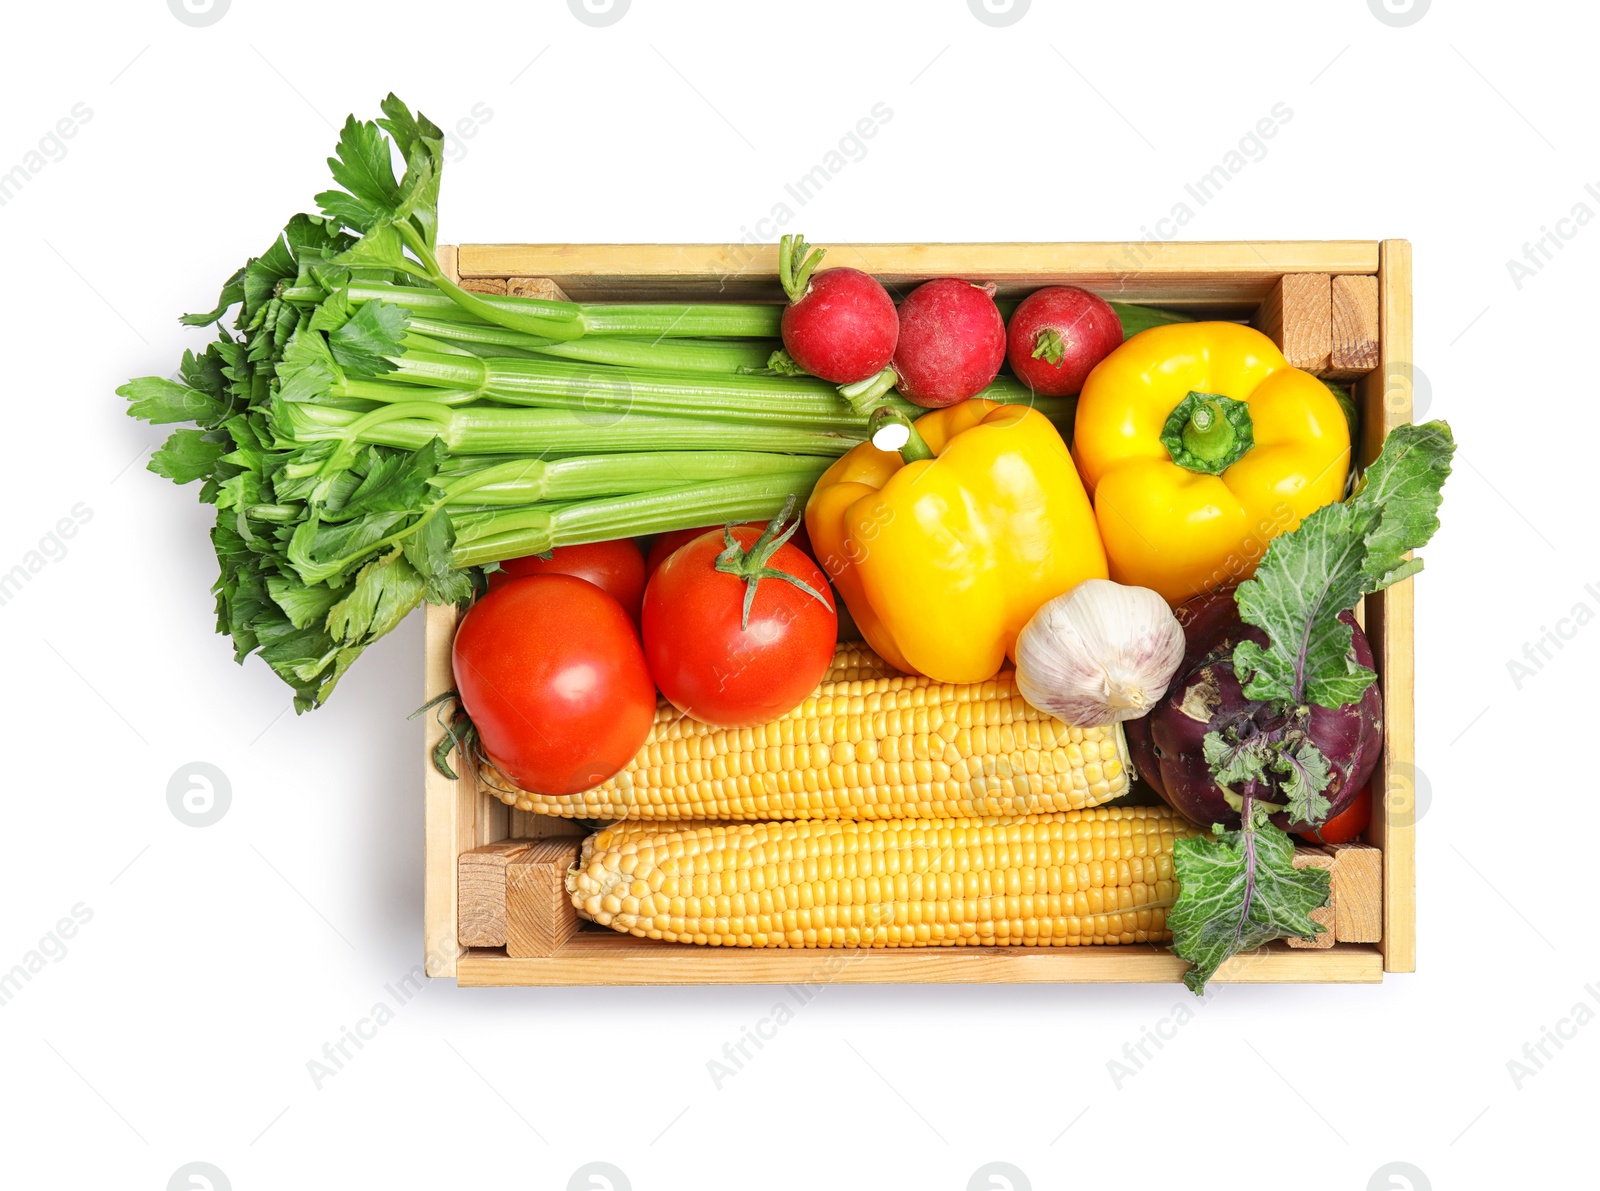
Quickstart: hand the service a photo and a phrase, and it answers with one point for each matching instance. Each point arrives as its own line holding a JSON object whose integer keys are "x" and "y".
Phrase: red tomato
{"x": 1347, "y": 824}
{"x": 668, "y": 542}
{"x": 551, "y": 671}
{"x": 616, "y": 568}
{"x": 714, "y": 669}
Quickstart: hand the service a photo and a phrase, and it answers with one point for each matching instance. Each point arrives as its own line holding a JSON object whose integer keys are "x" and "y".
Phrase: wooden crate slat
{"x": 444, "y": 802}
{"x": 1357, "y": 892}
{"x": 1353, "y": 311}
{"x": 481, "y": 893}
{"x": 1386, "y": 403}
{"x": 605, "y": 957}
{"x": 1227, "y": 274}
{"x": 540, "y": 917}
{"x": 1297, "y": 315}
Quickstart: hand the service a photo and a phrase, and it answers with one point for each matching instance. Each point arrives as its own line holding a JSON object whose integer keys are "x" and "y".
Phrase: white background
{"x": 179, "y": 1023}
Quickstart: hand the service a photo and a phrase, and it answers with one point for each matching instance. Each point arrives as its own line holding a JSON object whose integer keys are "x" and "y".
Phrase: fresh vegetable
{"x": 952, "y": 342}
{"x": 737, "y": 626}
{"x": 1057, "y": 335}
{"x": 1099, "y": 654}
{"x": 665, "y": 545}
{"x": 1170, "y": 746}
{"x": 840, "y": 324}
{"x": 1348, "y": 824}
{"x": 1199, "y": 445}
{"x": 615, "y": 567}
{"x": 1274, "y": 747}
{"x": 1081, "y": 878}
{"x": 905, "y": 748}
{"x": 945, "y": 548}
{"x": 357, "y": 426}
{"x": 550, "y": 670}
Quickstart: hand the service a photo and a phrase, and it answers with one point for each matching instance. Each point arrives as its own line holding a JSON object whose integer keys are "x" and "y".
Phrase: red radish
{"x": 840, "y": 324}
{"x": 1057, "y": 335}
{"x": 952, "y": 342}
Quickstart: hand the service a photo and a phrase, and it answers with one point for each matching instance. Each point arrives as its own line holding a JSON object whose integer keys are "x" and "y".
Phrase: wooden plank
{"x": 495, "y": 286}
{"x": 1298, "y": 317}
{"x": 1354, "y": 323}
{"x": 1325, "y": 917}
{"x": 1386, "y": 403}
{"x": 605, "y": 957}
{"x": 540, "y": 916}
{"x": 1357, "y": 892}
{"x": 481, "y": 893}
{"x": 444, "y": 835}
{"x": 1235, "y": 275}
{"x": 535, "y": 287}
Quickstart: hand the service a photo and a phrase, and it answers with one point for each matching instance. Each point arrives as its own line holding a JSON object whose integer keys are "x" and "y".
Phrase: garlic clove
{"x": 1101, "y": 653}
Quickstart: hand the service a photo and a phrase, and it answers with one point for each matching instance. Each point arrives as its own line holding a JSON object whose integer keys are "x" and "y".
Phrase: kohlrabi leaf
{"x": 1233, "y": 763}
{"x": 1237, "y": 892}
{"x": 1304, "y": 776}
{"x": 1337, "y": 555}
{"x": 1404, "y": 486}
{"x": 1306, "y": 579}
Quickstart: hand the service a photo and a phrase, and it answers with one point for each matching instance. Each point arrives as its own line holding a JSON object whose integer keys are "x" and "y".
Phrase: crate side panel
{"x": 604, "y": 958}
{"x": 1386, "y": 403}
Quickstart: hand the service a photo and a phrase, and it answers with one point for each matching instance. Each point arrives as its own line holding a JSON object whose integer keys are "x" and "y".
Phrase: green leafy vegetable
{"x": 1337, "y": 555}
{"x": 1239, "y": 891}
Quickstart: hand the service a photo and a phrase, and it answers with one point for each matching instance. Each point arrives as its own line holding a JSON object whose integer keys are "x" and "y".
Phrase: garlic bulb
{"x": 1099, "y": 654}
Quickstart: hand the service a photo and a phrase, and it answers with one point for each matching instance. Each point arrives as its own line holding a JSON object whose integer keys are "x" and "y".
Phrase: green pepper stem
{"x": 1208, "y": 433}
{"x": 898, "y": 434}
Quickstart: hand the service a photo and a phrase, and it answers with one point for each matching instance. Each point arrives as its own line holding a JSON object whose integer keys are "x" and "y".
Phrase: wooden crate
{"x": 1232, "y": 280}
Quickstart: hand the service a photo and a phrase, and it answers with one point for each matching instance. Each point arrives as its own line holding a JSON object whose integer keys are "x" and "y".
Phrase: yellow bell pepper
{"x": 944, "y": 550}
{"x": 1199, "y": 445}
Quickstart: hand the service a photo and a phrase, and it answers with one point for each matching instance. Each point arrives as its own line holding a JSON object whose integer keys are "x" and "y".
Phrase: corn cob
{"x": 881, "y": 748}
{"x": 855, "y": 661}
{"x": 1073, "y": 879}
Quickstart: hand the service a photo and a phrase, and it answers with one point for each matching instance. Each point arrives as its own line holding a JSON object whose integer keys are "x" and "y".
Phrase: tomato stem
{"x": 751, "y": 565}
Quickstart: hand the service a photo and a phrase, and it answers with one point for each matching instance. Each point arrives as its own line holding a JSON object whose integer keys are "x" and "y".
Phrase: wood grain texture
{"x": 449, "y": 807}
{"x": 535, "y": 287}
{"x": 1386, "y": 403}
{"x": 1353, "y": 309}
{"x": 1297, "y": 315}
{"x": 1357, "y": 892}
{"x": 540, "y": 917}
{"x": 1231, "y": 275}
{"x": 604, "y": 957}
{"x": 1325, "y": 917}
{"x": 481, "y": 893}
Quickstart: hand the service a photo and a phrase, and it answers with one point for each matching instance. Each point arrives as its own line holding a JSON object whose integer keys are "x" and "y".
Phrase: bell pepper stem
{"x": 1208, "y": 433}
{"x": 891, "y": 430}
